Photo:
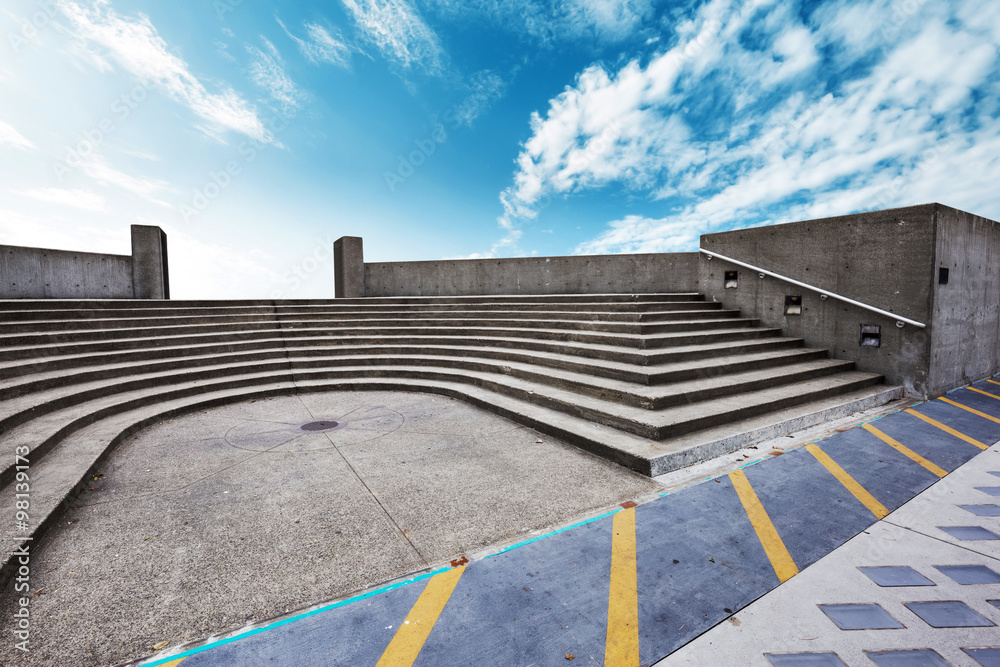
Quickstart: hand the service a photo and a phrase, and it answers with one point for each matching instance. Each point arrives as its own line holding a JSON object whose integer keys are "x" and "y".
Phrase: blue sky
{"x": 256, "y": 133}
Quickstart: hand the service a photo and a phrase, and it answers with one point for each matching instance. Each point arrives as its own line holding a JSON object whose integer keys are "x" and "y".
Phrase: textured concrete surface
{"x": 788, "y": 620}
{"x": 349, "y": 267}
{"x": 888, "y": 259}
{"x": 224, "y": 517}
{"x": 883, "y": 258}
{"x": 683, "y": 562}
{"x": 602, "y": 274}
{"x": 150, "y": 278}
{"x": 42, "y": 273}
{"x": 966, "y": 321}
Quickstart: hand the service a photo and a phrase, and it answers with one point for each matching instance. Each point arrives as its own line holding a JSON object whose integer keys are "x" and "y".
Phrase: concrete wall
{"x": 661, "y": 272}
{"x": 150, "y": 278}
{"x": 884, "y": 259}
{"x": 348, "y": 267}
{"x": 40, "y": 273}
{"x": 965, "y": 320}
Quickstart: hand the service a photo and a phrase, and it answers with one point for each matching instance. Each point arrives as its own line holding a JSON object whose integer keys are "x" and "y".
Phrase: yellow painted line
{"x": 966, "y": 407}
{"x": 622, "y": 646}
{"x": 174, "y": 663}
{"x": 775, "y": 549}
{"x": 993, "y": 381}
{"x": 867, "y": 499}
{"x": 905, "y": 451}
{"x": 947, "y": 429}
{"x": 411, "y": 635}
{"x": 985, "y": 393}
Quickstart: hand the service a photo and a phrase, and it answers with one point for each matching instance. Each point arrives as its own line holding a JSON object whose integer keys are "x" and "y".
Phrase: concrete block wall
{"x": 884, "y": 259}
{"x": 41, "y": 273}
{"x": 965, "y": 322}
{"x": 601, "y": 274}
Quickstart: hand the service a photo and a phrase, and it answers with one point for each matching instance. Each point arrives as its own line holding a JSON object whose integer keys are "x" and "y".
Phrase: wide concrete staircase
{"x": 652, "y": 381}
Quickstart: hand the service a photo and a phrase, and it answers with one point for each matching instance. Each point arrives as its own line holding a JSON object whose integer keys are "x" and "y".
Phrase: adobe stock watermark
{"x": 484, "y": 87}
{"x": 902, "y": 11}
{"x": 29, "y": 28}
{"x": 304, "y": 269}
{"x": 91, "y": 139}
{"x": 21, "y": 557}
{"x": 219, "y": 180}
{"x": 890, "y": 194}
{"x": 408, "y": 164}
{"x": 223, "y": 7}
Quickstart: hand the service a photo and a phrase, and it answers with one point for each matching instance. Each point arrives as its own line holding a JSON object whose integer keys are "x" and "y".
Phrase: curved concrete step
{"x": 40, "y": 428}
{"x": 613, "y": 358}
{"x": 61, "y": 475}
{"x": 349, "y": 326}
{"x": 29, "y": 405}
{"x": 351, "y": 336}
{"x": 124, "y": 304}
{"x": 724, "y": 362}
{"x": 110, "y": 320}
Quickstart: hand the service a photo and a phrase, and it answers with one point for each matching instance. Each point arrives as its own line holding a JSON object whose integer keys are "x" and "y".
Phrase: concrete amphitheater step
{"x": 83, "y": 313}
{"x": 500, "y": 323}
{"x": 654, "y": 382}
{"x": 65, "y": 414}
{"x": 56, "y": 304}
{"x": 110, "y": 320}
{"x": 746, "y": 376}
{"x": 724, "y": 362}
{"x": 616, "y": 362}
{"x": 391, "y": 334}
{"x": 57, "y": 477}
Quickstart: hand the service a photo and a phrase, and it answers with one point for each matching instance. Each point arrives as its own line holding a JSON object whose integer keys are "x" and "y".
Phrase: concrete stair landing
{"x": 654, "y": 382}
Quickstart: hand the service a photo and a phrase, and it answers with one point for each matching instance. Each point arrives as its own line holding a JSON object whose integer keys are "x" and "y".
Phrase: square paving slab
{"x": 805, "y": 660}
{"x": 970, "y": 574}
{"x": 987, "y": 657}
{"x": 896, "y": 576}
{"x": 948, "y": 614}
{"x": 914, "y": 658}
{"x": 860, "y": 617}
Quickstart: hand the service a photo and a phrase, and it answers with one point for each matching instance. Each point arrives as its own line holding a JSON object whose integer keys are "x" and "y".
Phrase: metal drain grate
{"x": 323, "y": 425}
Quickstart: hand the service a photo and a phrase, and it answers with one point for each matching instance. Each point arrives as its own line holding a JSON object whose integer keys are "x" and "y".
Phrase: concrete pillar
{"x": 149, "y": 263}
{"x": 348, "y": 267}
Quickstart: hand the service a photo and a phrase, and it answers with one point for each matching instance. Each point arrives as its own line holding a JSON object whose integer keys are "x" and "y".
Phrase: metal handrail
{"x": 900, "y": 320}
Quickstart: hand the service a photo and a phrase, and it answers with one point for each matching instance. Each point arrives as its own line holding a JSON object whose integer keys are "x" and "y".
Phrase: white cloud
{"x": 82, "y": 199}
{"x": 635, "y": 233}
{"x": 548, "y": 23}
{"x": 320, "y": 46}
{"x": 609, "y": 19}
{"x": 268, "y": 72}
{"x": 483, "y": 89}
{"x": 399, "y": 32}
{"x": 727, "y": 130}
{"x": 137, "y": 47}
{"x": 99, "y": 169}
{"x": 11, "y": 137}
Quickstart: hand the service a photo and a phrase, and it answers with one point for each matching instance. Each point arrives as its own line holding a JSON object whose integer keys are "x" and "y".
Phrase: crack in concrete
{"x": 369, "y": 490}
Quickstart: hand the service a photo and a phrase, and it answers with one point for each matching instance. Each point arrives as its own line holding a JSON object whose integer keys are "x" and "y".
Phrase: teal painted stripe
{"x": 554, "y": 532}
{"x": 363, "y": 596}
{"x": 292, "y": 619}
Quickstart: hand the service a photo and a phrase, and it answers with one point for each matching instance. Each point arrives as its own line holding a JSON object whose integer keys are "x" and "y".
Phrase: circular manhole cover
{"x": 323, "y": 425}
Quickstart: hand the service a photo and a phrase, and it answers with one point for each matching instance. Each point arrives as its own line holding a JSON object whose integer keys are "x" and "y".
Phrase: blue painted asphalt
{"x": 698, "y": 558}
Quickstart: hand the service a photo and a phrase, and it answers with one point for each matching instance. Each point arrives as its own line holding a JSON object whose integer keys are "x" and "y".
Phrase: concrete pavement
{"x": 636, "y": 586}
